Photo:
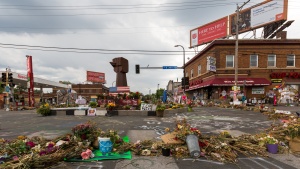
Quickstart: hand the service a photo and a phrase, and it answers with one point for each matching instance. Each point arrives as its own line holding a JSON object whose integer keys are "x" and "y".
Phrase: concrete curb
{"x": 115, "y": 112}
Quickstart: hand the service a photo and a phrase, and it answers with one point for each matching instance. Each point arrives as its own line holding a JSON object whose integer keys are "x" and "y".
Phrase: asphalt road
{"x": 209, "y": 120}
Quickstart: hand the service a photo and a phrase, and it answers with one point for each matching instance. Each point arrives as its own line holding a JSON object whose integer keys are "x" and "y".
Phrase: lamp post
{"x": 183, "y": 66}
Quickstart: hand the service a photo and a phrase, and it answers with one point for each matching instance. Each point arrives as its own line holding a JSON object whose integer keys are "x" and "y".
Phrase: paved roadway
{"x": 208, "y": 119}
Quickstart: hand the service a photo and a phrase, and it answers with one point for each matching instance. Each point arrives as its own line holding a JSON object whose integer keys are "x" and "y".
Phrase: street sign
{"x": 169, "y": 67}
{"x": 7, "y": 89}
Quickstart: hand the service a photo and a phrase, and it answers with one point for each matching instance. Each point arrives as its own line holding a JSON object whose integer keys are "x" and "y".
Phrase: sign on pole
{"x": 169, "y": 67}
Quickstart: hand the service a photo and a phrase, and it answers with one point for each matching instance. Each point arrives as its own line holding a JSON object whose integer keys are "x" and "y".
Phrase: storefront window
{"x": 229, "y": 61}
{"x": 253, "y": 60}
{"x": 290, "y": 60}
{"x": 271, "y": 60}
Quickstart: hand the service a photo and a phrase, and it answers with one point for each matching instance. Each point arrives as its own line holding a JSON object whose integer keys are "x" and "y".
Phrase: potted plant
{"x": 160, "y": 108}
{"x": 271, "y": 143}
{"x": 44, "y": 109}
{"x": 166, "y": 149}
{"x": 93, "y": 104}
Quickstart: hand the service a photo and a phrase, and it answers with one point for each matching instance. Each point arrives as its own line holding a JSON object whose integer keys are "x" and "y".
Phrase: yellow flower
{"x": 167, "y": 129}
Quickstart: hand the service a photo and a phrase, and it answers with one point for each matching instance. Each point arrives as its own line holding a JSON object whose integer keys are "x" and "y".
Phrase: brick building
{"x": 263, "y": 64}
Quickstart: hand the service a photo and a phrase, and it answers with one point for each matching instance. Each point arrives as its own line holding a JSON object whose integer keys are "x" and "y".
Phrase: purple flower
{"x": 30, "y": 144}
{"x": 42, "y": 153}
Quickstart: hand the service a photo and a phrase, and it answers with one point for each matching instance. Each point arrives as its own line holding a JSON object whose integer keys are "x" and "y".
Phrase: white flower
{"x": 223, "y": 144}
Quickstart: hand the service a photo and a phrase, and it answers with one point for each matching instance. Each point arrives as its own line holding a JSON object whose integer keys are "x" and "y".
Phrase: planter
{"x": 166, "y": 151}
{"x": 105, "y": 145}
{"x": 190, "y": 109}
{"x": 160, "y": 113}
{"x": 272, "y": 148}
{"x": 111, "y": 113}
{"x": 193, "y": 145}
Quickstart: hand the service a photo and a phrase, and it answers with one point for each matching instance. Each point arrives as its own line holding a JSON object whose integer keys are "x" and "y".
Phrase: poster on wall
{"x": 258, "y": 90}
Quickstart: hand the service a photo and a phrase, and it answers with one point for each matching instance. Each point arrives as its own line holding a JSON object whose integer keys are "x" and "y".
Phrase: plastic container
{"x": 193, "y": 146}
{"x": 105, "y": 145}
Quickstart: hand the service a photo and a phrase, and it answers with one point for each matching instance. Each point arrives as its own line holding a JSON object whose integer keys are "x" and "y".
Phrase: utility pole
{"x": 237, "y": 49}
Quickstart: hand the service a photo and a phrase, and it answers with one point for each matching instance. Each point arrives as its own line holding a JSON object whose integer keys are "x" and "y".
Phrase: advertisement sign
{"x": 96, "y": 77}
{"x": 259, "y": 15}
{"x": 209, "y": 32}
{"x": 30, "y": 82}
{"x": 211, "y": 64}
{"x": 268, "y": 12}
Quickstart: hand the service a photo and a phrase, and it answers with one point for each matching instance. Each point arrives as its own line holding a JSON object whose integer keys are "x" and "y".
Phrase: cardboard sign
{"x": 170, "y": 139}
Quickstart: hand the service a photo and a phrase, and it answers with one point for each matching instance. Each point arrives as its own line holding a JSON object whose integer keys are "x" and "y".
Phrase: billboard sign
{"x": 209, "y": 32}
{"x": 96, "y": 77}
{"x": 259, "y": 15}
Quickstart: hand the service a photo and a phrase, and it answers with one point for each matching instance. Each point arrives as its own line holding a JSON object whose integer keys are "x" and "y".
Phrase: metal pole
{"x": 237, "y": 49}
{"x": 236, "y": 53}
{"x": 183, "y": 66}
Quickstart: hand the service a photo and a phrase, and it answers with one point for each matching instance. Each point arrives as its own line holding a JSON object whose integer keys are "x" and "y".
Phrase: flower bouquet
{"x": 110, "y": 106}
{"x": 44, "y": 109}
{"x": 85, "y": 131}
{"x": 183, "y": 129}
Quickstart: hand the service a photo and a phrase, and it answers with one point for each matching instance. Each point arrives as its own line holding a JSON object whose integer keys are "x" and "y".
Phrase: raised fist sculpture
{"x": 121, "y": 68}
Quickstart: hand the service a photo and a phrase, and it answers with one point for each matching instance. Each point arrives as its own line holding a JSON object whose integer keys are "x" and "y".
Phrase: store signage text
{"x": 195, "y": 82}
{"x": 280, "y": 75}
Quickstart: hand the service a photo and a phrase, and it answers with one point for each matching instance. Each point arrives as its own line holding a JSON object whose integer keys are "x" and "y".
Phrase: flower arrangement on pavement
{"x": 44, "y": 109}
{"x": 110, "y": 106}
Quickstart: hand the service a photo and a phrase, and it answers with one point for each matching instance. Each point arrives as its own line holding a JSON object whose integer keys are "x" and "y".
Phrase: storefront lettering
{"x": 195, "y": 82}
{"x": 280, "y": 75}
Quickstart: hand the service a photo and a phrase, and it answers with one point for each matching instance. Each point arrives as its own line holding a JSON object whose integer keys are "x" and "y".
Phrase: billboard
{"x": 209, "y": 32}
{"x": 96, "y": 77}
{"x": 259, "y": 15}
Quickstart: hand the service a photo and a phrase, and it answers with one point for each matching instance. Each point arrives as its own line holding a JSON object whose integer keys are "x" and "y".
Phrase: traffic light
{"x": 3, "y": 77}
{"x": 185, "y": 81}
{"x": 10, "y": 77}
{"x": 137, "y": 69}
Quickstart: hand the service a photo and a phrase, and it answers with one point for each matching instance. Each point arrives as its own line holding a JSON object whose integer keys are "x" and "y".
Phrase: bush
{"x": 93, "y": 104}
{"x": 160, "y": 107}
{"x": 44, "y": 109}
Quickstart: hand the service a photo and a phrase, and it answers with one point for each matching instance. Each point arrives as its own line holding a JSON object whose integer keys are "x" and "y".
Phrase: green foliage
{"x": 93, "y": 104}
{"x": 160, "y": 107}
{"x": 44, "y": 110}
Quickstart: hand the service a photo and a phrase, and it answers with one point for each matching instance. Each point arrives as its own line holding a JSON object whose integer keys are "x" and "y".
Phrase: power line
{"x": 100, "y": 51}
{"x": 113, "y": 13}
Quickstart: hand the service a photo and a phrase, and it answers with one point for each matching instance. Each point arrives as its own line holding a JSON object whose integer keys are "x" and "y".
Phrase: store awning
{"x": 231, "y": 82}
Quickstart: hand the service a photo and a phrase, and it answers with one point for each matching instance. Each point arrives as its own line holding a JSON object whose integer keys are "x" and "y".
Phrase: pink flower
{"x": 15, "y": 158}
{"x": 89, "y": 152}
{"x": 85, "y": 156}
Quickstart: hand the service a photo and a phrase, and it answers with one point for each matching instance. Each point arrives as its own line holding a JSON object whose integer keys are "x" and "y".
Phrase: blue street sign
{"x": 7, "y": 89}
{"x": 169, "y": 67}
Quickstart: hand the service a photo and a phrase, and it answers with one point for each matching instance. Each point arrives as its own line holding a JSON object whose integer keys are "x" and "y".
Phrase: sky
{"x": 67, "y": 38}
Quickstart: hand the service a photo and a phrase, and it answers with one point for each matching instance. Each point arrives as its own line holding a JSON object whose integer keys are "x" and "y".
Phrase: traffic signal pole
{"x": 7, "y": 93}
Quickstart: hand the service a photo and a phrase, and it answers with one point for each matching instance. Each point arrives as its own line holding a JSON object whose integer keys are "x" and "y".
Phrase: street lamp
{"x": 183, "y": 66}
{"x": 112, "y": 84}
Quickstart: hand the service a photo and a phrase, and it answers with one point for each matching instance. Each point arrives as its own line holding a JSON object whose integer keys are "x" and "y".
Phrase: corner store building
{"x": 262, "y": 65}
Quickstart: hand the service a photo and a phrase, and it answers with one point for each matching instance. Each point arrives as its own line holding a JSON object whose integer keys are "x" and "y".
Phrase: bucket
{"x": 272, "y": 148}
{"x": 105, "y": 145}
{"x": 193, "y": 146}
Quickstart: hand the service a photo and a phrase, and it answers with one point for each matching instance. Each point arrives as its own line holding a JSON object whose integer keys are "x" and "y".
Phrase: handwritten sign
{"x": 145, "y": 106}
